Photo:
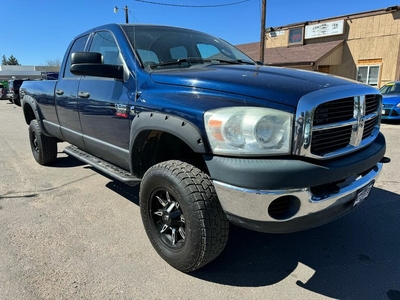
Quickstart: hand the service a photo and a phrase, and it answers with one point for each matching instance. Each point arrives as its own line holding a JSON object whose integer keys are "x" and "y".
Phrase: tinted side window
{"x": 78, "y": 46}
{"x": 384, "y": 89}
{"x": 104, "y": 43}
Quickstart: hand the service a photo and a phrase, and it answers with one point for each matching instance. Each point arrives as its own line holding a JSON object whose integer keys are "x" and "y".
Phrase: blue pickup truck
{"x": 211, "y": 136}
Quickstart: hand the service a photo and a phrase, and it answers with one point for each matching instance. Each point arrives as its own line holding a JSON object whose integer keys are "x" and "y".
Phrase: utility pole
{"x": 262, "y": 38}
{"x": 126, "y": 13}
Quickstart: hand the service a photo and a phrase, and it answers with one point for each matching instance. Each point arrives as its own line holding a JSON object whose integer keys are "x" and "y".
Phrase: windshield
{"x": 161, "y": 47}
{"x": 390, "y": 88}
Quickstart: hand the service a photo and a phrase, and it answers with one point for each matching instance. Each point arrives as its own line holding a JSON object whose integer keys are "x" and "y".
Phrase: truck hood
{"x": 281, "y": 85}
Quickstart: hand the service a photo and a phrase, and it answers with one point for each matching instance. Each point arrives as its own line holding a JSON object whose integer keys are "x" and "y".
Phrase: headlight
{"x": 248, "y": 131}
{"x": 398, "y": 105}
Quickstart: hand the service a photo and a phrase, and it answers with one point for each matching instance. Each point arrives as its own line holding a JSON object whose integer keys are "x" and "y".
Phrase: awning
{"x": 318, "y": 54}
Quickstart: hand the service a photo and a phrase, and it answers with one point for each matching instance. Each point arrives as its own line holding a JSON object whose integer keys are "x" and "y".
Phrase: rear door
{"x": 104, "y": 106}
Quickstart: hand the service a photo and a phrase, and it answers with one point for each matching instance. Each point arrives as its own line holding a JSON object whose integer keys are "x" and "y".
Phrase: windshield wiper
{"x": 234, "y": 62}
{"x": 181, "y": 61}
{"x": 189, "y": 61}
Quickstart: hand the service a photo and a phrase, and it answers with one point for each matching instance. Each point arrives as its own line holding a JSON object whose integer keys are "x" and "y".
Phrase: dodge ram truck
{"x": 211, "y": 136}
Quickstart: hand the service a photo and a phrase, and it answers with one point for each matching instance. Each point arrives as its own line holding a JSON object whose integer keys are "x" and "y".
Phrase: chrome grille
{"x": 372, "y": 104}
{"x": 324, "y": 141}
{"x": 341, "y": 110}
{"x": 368, "y": 127}
{"x": 329, "y": 126}
{"x": 327, "y": 113}
{"x": 334, "y": 111}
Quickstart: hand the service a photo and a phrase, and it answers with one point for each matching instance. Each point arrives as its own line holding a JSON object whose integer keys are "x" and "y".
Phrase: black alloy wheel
{"x": 182, "y": 215}
{"x": 168, "y": 218}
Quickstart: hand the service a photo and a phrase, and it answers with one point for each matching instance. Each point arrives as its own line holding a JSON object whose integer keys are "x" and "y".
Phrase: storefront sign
{"x": 324, "y": 29}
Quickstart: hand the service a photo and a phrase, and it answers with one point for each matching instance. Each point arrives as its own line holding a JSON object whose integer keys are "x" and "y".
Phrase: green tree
{"x": 10, "y": 61}
{"x": 4, "y": 60}
{"x": 13, "y": 61}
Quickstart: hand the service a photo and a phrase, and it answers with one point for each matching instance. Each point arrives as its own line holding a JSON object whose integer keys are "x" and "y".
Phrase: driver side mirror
{"x": 91, "y": 64}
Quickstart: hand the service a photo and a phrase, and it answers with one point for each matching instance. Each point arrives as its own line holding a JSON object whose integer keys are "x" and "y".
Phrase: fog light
{"x": 284, "y": 207}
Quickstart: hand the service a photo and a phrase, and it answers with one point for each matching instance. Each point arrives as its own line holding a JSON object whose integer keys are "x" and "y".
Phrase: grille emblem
{"x": 359, "y": 116}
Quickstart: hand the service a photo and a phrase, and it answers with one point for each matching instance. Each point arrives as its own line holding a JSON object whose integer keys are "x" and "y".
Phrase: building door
{"x": 324, "y": 69}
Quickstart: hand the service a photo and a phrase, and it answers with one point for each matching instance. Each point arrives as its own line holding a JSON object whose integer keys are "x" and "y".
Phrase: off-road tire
{"x": 182, "y": 215}
{"x": 44, "y": 148}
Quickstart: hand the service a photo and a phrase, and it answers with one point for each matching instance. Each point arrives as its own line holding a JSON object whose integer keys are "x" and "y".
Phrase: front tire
{"x": 182, "y": 215}
{"x": 44, "y": 148}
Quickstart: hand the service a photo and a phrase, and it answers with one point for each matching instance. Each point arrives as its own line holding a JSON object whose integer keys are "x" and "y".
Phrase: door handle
{"x": 60, "y": 92}
{"x": 83, "y": 95}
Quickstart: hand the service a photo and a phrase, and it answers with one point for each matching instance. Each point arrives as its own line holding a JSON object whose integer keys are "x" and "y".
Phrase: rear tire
{"x": 182, "y": 215}
{"x": 17, "y": 102}
{"x": 44, "y": 148}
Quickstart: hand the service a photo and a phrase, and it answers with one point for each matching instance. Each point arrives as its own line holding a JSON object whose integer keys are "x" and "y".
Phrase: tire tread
{"x": 48, "y": 145}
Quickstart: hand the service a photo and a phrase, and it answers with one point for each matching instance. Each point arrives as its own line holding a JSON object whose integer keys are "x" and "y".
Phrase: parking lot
{"x": 68, "y": 232}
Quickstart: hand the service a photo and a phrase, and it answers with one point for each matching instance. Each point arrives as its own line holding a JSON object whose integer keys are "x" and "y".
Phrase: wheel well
{"x": 28, "y": 113}
{"x": 153, "y": 146}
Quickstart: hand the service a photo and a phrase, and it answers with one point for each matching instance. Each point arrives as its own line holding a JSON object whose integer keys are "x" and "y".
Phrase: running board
{"x": 102, "y": 165}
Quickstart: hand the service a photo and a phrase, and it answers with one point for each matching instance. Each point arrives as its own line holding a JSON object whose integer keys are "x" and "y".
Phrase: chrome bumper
{"x": 249, "y": 204}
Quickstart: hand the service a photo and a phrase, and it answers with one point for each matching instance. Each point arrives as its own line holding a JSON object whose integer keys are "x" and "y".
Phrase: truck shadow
{"x": 355, "y": 257}
{"x": 65, "y": 161}
{"x": 129, "y": 192}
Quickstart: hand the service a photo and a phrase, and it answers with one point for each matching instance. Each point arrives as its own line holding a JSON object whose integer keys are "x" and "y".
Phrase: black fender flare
{"x": 156, "y": 121}
{"x": 145, "y": 123}
{"x": 31, "y": 102}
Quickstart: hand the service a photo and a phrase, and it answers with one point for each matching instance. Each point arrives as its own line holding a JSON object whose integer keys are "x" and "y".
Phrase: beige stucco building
{"x": 363, "y": 46}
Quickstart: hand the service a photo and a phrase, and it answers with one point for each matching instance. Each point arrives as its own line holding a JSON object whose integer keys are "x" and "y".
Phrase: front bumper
{"x": 390, "y": 112}
{"x": 292, "y": 210}
{"x": 287, "y": 195}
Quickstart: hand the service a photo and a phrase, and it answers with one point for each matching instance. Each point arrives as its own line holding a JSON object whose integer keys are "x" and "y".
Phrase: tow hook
{"x": 385, "y": 160}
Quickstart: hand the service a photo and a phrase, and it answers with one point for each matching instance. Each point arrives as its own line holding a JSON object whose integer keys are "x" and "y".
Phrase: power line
{"x": 193, "y": 6}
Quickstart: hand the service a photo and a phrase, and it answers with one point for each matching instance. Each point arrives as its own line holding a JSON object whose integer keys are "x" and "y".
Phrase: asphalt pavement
{"x": 69, "y": 232}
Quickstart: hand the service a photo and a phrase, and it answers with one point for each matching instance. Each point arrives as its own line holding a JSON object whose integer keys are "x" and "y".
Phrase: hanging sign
{"x": 324, "y": 29}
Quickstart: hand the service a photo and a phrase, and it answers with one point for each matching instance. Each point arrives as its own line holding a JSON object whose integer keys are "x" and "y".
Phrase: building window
{"x": 369, "y": 74}
{"x": 296, "y": 36}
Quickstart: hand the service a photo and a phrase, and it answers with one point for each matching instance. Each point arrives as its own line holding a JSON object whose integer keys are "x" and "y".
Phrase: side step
{"x": 102, "y": 165}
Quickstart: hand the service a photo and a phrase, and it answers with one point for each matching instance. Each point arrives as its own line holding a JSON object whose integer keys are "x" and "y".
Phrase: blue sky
{"x": 35, "y": 31}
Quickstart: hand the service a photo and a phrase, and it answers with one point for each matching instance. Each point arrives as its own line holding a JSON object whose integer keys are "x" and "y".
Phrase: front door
{"x": 104, "y": 106}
